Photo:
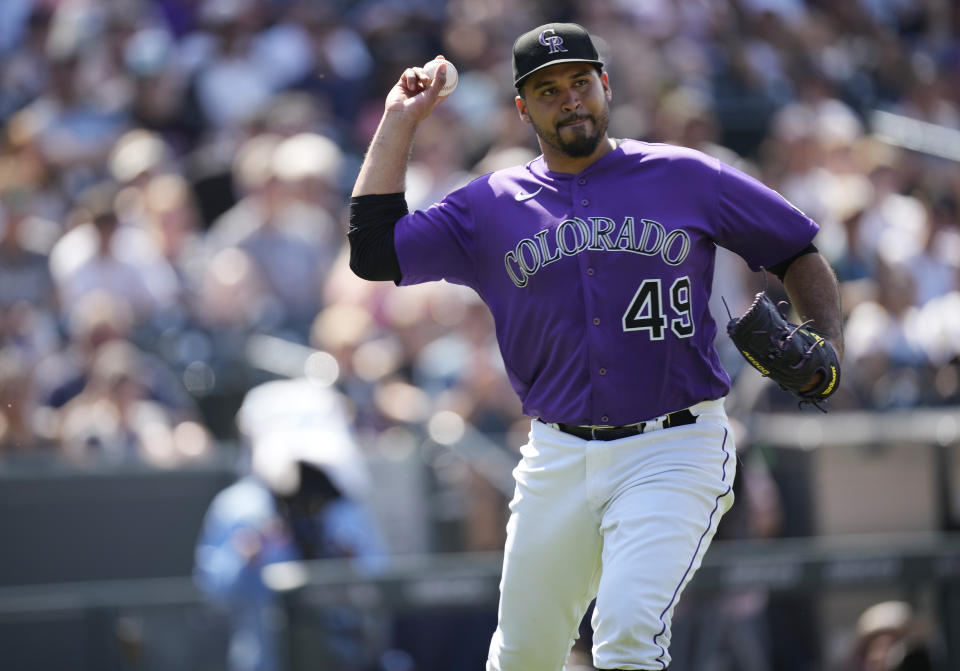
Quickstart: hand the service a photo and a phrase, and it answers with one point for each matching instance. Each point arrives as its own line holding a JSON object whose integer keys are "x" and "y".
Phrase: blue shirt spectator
{"x": 249, "y": 526}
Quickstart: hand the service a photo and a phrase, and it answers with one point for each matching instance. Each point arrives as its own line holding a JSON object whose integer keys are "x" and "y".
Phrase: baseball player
{"x": 596, "y": 260}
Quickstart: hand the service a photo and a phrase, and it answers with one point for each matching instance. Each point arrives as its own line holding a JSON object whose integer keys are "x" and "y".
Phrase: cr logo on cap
{"x": 548, "y": 38}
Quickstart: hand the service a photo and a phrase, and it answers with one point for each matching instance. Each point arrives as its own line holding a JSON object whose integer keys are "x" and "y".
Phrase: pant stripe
{"x": 716, "y": 507}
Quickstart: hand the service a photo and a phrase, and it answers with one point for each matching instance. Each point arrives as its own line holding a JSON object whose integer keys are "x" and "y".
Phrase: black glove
{"x": 796, "y": 357}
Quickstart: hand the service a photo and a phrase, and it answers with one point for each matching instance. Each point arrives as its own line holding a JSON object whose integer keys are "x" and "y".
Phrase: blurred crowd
{"x": 174, "y": 181}
{"x": 175, "y": 176}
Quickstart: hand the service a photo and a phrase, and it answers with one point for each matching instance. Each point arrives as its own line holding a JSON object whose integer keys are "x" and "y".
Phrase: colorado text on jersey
{"x": 572, "y": 236}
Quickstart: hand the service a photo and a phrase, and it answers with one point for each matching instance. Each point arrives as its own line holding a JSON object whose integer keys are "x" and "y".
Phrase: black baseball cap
{"x": 550, "y": 44}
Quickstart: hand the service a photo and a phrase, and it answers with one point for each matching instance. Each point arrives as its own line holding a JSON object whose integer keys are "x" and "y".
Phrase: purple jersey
{"x": 599, "y": 282}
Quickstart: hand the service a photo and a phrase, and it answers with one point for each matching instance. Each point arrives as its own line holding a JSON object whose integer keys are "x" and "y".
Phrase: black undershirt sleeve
{"x": 373, "y": 255}
{"x": 780, "y": 269}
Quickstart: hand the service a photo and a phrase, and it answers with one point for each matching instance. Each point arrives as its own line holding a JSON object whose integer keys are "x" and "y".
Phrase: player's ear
{"x": 605, "y": 82}
{"x": 522, "y": 109}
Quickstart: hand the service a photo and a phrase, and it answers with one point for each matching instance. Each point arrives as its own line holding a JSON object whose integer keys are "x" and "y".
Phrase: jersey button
{"x": 584, "y": 202}
{"x": 603, "y": 371}
{"x": 581, "y": 181}
{"x": 596, "y": 321}
{"x": 590, "y": 271}
{"x": 604, "y": 419}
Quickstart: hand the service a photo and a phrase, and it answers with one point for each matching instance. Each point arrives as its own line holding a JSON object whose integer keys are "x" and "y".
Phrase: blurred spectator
{"x": 227, "y": 129}
{"x": 231, "y": 303}
{"x": 885, "y": 353}
{"x": 232, "y": 295}
{"x": 137, "y": 156}
{"x": 73, "y": 122}
{"x": 462, "y": 366}
{"x": 105, "y": 253}
{"x": 854, "y": 263}
{"x": 436, "y": 165}
{"x": 159, "y": 89}
{"x": 311, "y": 166}
{"x": 19, "y": 442}
{"x": 172, "y": 221}
{"x": 230, "y": 84}
{"x": 23, "y": 38}
{"x": 28, "y": 301}
{"x": 159, "y": 96}
{"x": 937, "y": 266}
{"x": 301, "y": 500}
{"x": 114, "y": 420}
{"x": 342, "y": 330}
{"x": 95, "y": 322}
{"x": 926, "y": 97}
{"x": 282, "y": 221}
{"x": 338, "y": 65}
{"x": 890, "y": 637}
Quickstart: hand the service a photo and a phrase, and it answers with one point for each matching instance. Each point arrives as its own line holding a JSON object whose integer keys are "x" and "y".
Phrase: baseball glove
{"x": 792, "y": 355}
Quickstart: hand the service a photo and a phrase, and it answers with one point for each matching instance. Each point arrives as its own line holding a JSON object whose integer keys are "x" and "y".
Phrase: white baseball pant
{"x": 626, "y": 521}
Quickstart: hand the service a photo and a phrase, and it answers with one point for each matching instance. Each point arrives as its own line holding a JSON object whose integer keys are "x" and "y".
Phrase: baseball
{"x": 452, "y": 76}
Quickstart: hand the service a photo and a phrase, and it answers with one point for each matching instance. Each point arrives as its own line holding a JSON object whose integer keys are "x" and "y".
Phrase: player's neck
{"x": 557, "y": 161}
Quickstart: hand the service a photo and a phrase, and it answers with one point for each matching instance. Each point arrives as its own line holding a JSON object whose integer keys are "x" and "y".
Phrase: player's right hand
{"x": 414, "y": 95}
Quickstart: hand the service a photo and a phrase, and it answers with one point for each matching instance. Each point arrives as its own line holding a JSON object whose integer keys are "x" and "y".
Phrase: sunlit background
{"x": 174, "y": 182}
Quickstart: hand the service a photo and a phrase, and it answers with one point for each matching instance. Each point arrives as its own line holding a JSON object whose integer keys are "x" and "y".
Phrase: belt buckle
{"x": 593, "y": 432}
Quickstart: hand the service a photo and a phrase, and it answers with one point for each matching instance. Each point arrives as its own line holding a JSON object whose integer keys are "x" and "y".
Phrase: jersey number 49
{"x": 646, "y": 311}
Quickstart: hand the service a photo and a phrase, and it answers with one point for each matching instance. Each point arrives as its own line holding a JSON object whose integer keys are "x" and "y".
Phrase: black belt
{"x": 679, "y": 418}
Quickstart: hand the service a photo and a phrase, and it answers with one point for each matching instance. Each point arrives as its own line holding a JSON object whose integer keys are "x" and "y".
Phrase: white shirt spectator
{"x": 133, "y": 271}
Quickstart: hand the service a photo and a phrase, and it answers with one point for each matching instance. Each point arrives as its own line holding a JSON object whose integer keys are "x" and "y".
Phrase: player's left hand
{"x": 798, "y": 358}
{"x": 818, "y": 377}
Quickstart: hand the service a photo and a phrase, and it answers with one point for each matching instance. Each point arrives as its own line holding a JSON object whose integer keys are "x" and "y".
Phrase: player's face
{"x": 568, "y": 106}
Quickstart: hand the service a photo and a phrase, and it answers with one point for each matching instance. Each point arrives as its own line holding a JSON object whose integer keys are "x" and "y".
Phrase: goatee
{"x": 583, "y": 143}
